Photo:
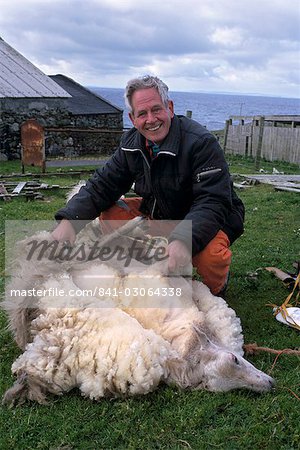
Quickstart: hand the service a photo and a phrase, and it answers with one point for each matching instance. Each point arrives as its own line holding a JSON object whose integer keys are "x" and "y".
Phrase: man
{"x": 180, "y": 173}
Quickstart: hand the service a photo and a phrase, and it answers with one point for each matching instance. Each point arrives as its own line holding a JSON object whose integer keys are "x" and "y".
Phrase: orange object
{"x": 124, "y": 209}
{"x": 213, "y": 262}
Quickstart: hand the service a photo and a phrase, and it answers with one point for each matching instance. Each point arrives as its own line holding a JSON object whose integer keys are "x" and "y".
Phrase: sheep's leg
{"x": 25, "y": 387}
{"x": 32, "y": 384}
{"x": 37, "y": 372}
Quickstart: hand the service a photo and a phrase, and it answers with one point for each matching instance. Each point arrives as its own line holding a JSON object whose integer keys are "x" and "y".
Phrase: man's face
{"x": 150, "y": 116}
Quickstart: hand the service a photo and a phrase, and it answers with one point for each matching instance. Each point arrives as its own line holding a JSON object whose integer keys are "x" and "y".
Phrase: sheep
{"x": 122, "y": 344}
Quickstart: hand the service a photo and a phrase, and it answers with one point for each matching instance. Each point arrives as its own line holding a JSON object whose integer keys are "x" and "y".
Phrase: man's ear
{"x": 131, "y": 117}
{"x": 171, "y": 108}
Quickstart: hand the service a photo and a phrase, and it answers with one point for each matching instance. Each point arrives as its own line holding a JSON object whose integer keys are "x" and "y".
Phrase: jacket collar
{"x": 172, "y": 141}
{"x": 170, "y": 144}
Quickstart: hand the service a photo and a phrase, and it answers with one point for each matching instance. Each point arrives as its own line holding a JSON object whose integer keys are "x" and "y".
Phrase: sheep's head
{"x": 224, "y": 371}
{"x": 212, "y": 368}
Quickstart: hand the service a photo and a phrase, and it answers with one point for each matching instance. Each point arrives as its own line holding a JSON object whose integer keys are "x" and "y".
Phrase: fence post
{"x": 226, "y": 134}
{"x": 260, "y": 140}
{"x": 251, "y": 137}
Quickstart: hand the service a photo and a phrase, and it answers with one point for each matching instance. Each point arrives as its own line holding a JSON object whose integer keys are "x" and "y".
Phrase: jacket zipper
{"x": 154, "y": 206}
{"x": 149, "y": 168}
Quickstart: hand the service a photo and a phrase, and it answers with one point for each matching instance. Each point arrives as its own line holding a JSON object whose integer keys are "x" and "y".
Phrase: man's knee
{"x": 216, "y": 252}
{"x": 213, "y": 262}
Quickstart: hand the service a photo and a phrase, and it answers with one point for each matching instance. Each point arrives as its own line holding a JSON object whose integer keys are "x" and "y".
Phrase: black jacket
{"x": 189, "y": 179}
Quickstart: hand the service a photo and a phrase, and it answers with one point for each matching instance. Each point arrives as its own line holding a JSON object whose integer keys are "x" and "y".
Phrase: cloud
{"x": 215, "y": 45}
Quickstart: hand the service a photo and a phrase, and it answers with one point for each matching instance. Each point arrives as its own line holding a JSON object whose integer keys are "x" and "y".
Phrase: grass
{"x": 242, "y": 165}
{"x": 170, "y": 418}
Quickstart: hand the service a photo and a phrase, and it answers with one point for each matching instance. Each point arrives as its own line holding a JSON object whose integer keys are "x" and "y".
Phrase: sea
{"x": 212, "y": 110}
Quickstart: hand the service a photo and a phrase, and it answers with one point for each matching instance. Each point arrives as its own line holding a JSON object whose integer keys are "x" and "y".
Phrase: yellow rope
{"x": 289, "y": 301}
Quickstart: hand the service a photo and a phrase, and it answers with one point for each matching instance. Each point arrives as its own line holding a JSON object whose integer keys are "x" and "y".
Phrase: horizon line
{"x": 249, "y": 94}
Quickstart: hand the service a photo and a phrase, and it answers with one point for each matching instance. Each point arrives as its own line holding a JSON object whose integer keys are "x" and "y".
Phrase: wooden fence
{"x": 270, "y": 137}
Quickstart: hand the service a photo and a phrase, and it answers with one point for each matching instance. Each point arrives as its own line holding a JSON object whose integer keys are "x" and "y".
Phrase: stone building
{"x": 95, "y": 125}
{"x": 75, "y": 120}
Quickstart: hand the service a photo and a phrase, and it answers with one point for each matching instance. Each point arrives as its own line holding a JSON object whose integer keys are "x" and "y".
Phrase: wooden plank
{"x": 276, "y": 118}
{"x": 7, "y": 196}
{"x": 26, "y": 194}
{"x": 287, "y": 184}
{"x": 48, "y": 174}
{"x": 241, "y": 186}
{"x": 282, "y": 188}
{"x": 19, "y": 187}
{"x": 273, "y": 178}
{"x": 283, "y": 276}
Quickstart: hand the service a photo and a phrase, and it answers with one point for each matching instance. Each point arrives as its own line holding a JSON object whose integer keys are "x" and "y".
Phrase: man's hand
{"x": 64, "y": 232}
{"x": 179, "y": 255}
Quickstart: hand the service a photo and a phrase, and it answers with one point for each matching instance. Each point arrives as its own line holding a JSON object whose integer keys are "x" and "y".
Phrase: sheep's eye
{"x": 236, "y": 361}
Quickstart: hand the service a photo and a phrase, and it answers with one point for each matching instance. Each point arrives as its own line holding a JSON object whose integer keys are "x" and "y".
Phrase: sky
{"x": 226, "y": 46}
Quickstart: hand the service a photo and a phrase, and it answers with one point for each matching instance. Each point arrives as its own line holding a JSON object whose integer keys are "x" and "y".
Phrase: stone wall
{"x": 82, "y": 140}
{"x": 52, "y": 115}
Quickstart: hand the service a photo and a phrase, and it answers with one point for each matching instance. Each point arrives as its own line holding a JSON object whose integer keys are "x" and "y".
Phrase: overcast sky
{"x": 193, "y": 45}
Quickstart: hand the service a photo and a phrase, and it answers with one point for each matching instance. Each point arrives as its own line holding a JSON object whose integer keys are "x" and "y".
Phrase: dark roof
{"x": 84, "y": 101}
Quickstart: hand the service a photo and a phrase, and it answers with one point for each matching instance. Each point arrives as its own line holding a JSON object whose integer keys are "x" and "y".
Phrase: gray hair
{"x": 146, "y": 82}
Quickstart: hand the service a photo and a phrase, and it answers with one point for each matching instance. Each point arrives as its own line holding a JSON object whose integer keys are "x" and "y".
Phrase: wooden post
{"x": 189, "y": 114}
{"x": 227, "y": 123}
{"x": 251, "y": 137}
{"x": 260, "y": 140}
{"x": 247, "y": 146}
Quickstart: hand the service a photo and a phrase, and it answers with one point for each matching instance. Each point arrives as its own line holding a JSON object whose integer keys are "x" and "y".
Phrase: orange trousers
{"x": 212, "y": 263}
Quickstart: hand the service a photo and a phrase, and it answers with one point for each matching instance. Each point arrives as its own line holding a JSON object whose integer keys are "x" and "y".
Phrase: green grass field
{"x": 170, "y": 418}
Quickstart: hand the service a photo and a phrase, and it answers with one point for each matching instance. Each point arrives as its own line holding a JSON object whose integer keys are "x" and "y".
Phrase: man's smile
{"x": 154, "y": 128}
